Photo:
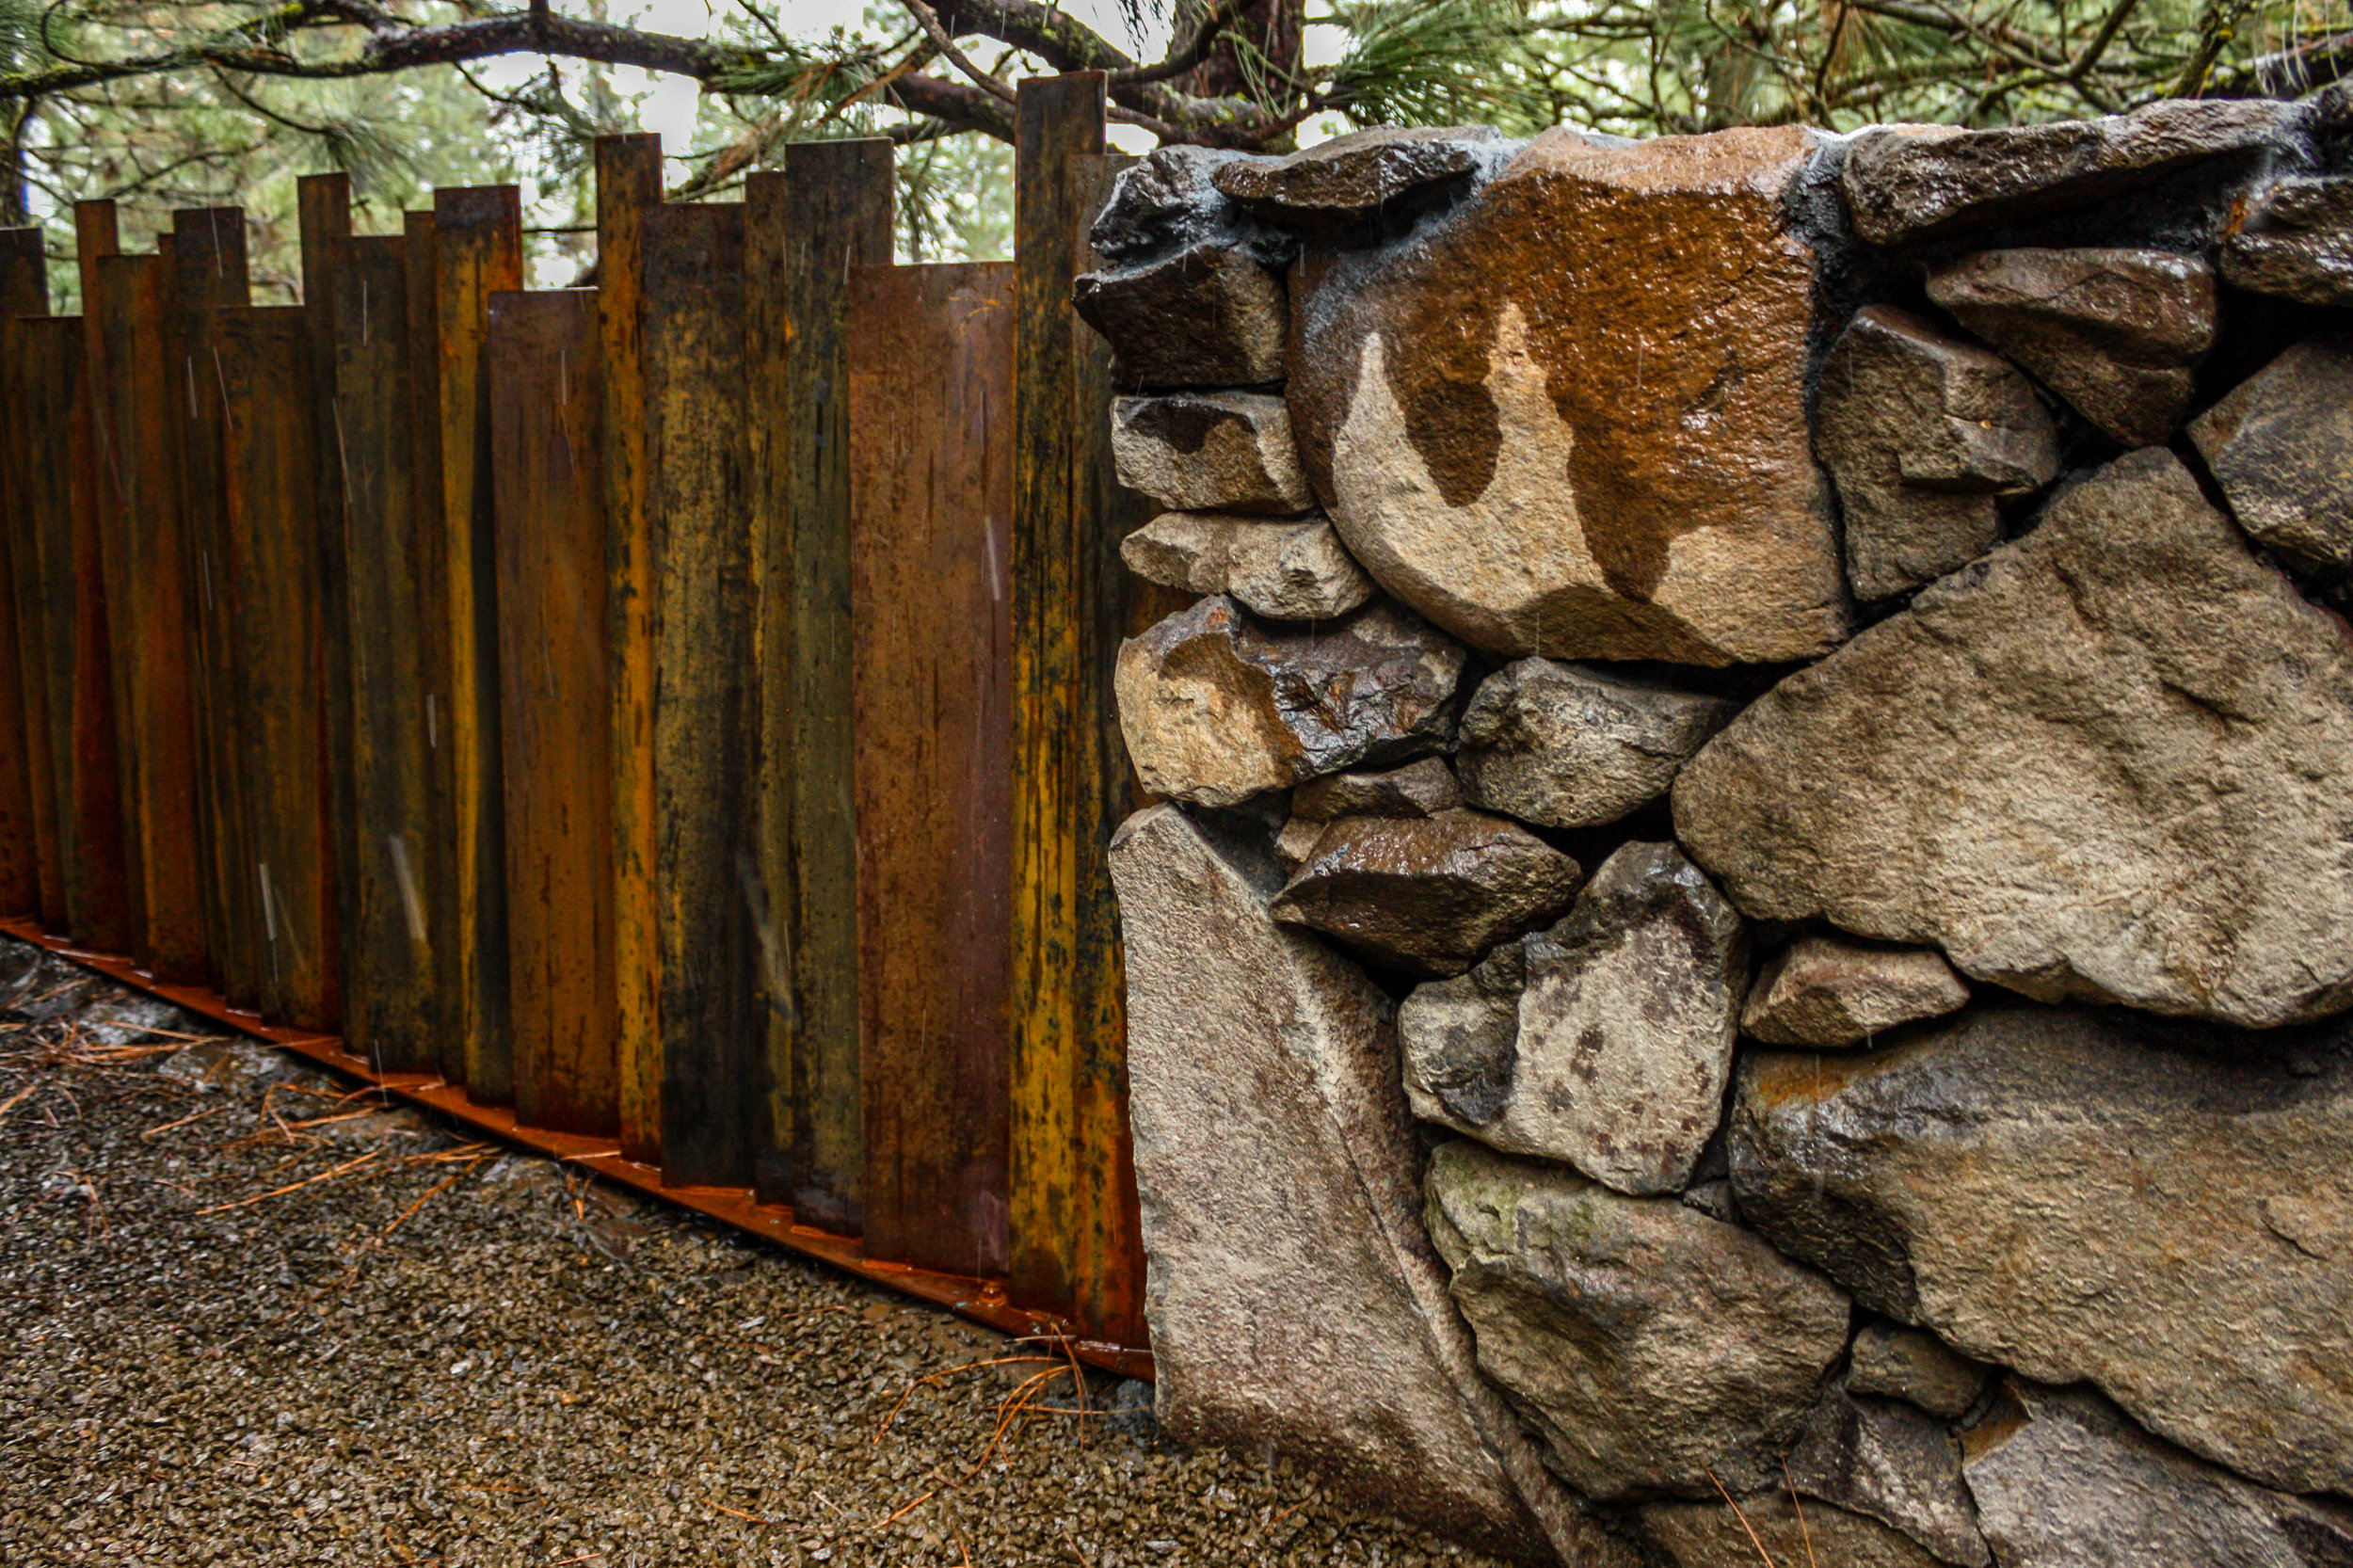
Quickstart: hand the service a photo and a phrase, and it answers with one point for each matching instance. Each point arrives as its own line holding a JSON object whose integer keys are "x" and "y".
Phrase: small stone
{"x": 1893, "y": 1464}
{"x": 1830, "y": 993}
{"x": 1276, "y": 1166}
{"x": 1419, "y": 788}
{"x": 1209, "y": 315}
{"x": 1613, "y": 1051}
{"x": 1217, "y": 707}
{"x": 1921, "y": 433}
{"x": 1282, "y": 571}
{"x": 2062, "y": 1481}
{"x": 2297, "y": 242}
{"x": 1352, "y": 178}
{"x": 1647, "y": 1344}
{"x": 1908, "y": 1364}
{"x": 1712, "y": 1535}
{"x": 2117, "y": 333}
{"x": 1296, "y": 840}
{"x": 2104, "y": 764}
{"x": 1428, "y": 895}
{"x": 1210, "y": 451}
{"x": 2281, "y": 445}
{"x": 1908, "y": 184}
{"x": 1571, "y": 745}
{"x": 2087, "y": 1197}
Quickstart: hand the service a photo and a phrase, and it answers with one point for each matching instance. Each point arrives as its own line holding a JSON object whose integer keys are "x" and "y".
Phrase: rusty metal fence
{"x": 668, "y": 723}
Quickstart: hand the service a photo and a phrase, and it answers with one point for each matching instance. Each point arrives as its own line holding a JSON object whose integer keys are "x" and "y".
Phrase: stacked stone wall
{"x": 1747, "y": 946}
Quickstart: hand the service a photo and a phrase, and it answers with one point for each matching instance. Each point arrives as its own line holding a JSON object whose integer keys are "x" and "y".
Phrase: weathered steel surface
{"x": 478, "y": 251}
{"x": 930, "y": 450}
{"x": 269, "y": 471}
{"x": 323, "y": 208}
{"x": 395, "y": 1008}
{"x": 555, "y": 673}
{"x": 24, "y": 291}
{"x": 128, "y": 300}
{"x": 806, "y": 227}
{"x": 42, "y": 370}
{"x": 706, "y": 697}
{"x": 629, "y": 183}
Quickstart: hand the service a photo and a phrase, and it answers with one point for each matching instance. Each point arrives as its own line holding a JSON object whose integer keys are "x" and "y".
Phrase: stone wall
{"x": 1747, "y": 939}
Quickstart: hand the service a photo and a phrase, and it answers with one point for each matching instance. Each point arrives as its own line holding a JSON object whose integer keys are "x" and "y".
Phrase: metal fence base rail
{"x": 981, "y": 1300}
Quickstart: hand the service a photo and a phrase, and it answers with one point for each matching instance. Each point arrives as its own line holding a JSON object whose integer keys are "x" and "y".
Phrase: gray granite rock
{"x": 2297, "y": 241}
{"x": 1647, "y": 1344}
{"x": 1217, "y": 707}
{"x": 1419, "y": 788}
{"x": 2117, "y": 333}
{"x": 1427, "y": 895}
{"x": 2088, "y": 1195}
{"x": 1789, "y": 1532}
{"x": 1829, "y": 993}
{"x": 2104, "y": 764}
{"x": 1210, "y": 451}
{"x": 1909, "y": 183}
{"x": 1209, "y": 315}
{"x": 1350, "y": 179}
{"x": 1284, "y": 571}
{"x": 2062, "y": 1481}
{"x": 1907, "y": 1364}
{"x": 1275, "y": 1164}
{"x": 1575, "y": 746}
{"x": 1164, "y": 202}
{"x": 1613, "y": 1051}
{"x": 2280, "y": 446}
{"x": 1922, "y": 433}
{"x": 1893, "y": 1464}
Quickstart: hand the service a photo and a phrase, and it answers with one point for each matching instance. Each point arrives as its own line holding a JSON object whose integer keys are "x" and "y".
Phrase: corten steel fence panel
{"x": 45, "y": 379}
{"x": 270, "y": 502}
{"x": 930, "y": 450}
{"x": 35, "y": 882}
{"x": 555, "y": 675}
{"x": 395, "y": 1013}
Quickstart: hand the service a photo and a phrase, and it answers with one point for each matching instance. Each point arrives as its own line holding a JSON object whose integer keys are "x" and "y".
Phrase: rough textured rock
{"x": 1217, "y": 707}
{"x": 2062, "y": 1481}
{"x": 2105, "y": 763}
{"x": 1828, "y": 993}
{"x": 1905, "y": 1364}
{"x": 1909, "y": 183}
{"x": 1922, "y": 433}
{"x": 1428, "y": 895}
{"x": 1275, "y": 1164}
{"x": 1282, "y": 571}
{"x": 2085, "y": 1195}
{"x": 2297, "y": 242}
{"x": 1419, "y": 789}
{"x": 1546, "y": 450}
{"x": 2281, "y": 445}
{"x": 1712, "y": 1535}
{"x": 1210, "y": 451}
{"x": 1647, "y": 1343}
{"x": 1296, "y": 840}
{"x": 1348, "y": 180}
{"x": 2117, "y": 333}
{"x": 1895, "y": 1464}
{"x": 1164, "y": 202}
{"x": 1569, "y": 745}
{"x": 1612, "y": 1051}
{"x": 1209, "y": 315}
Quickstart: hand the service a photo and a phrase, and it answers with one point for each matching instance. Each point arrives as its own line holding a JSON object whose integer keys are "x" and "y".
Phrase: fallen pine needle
{"x": 1764, "y": 1556}
{"x": 184, "y": 1121}
{"x": 281, "y": 1191}
{"x": 16, "y": 1100}
{"x": 420, "y": 1202}
{"x": 906, "y": 1511}
{"x": 755, "y": 1518}
{"x": 945, "y": 1372}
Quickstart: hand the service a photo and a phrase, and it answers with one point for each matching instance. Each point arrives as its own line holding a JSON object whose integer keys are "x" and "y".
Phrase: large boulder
{"x": 2087, "y": 1196}
{"x": 1547, "y": 449}
{"x": 1830, "y": 994}
{"x": 1210, "y": 315}
{"x": 1210, "y": 451}
{"x": 2104, "y": 764}
{"x": 1909, "y": 183}
{"x": 1284, "y": 571}
{"x": 1891, "y": 1463}
{"x": 1923, "y": 432}
{"x": 1655, "y": 1351}
{"x": 2297, "y": 241}
{"x": 1385, "y": 172}
{"x": 1217, "y": 707}
{"x": 1572, "y": 745}
{"x": 2281, "y": 445}
{"x": 1604, "y": 1042}
{"x": 2062, "y": 1481}
{"x": 1427, "y": 895}
{"x": 1275, "y": 1164}
{"x": 2118, "y": 333}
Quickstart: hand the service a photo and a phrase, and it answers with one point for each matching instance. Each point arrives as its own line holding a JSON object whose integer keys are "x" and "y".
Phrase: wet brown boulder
{"x": 1917, "y": 1368}
{"x": 1210, "y": 451}
{"x": 1547, "y": 450}
{"x": 1712, "y": 1535}
{"x": 1352, "y": 178}
{"x": 1419, "y": 788}
{"x": 2281, "y": 445}
{"x": 1210, "y": 315}
{"x": 1282, "y": 570}
{"x": 2297, "y": 242}
{"x": 1830, "y": 994}
{"x": 1577, "y": 745}
{"x": 1893, "y": 1464}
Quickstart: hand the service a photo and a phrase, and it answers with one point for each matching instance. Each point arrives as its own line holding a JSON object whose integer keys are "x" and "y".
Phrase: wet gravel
{"x": 420, "y": 1349}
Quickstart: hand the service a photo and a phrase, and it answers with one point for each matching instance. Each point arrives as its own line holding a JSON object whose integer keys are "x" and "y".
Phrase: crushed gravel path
{"x": 253, "y": 1316}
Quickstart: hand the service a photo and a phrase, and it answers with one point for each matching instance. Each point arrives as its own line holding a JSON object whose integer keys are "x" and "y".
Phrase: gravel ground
{"x": 439, "y": 1351}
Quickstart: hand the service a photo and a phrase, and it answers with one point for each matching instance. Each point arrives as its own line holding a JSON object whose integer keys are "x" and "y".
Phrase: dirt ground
{"x": 253, "y": 1316}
